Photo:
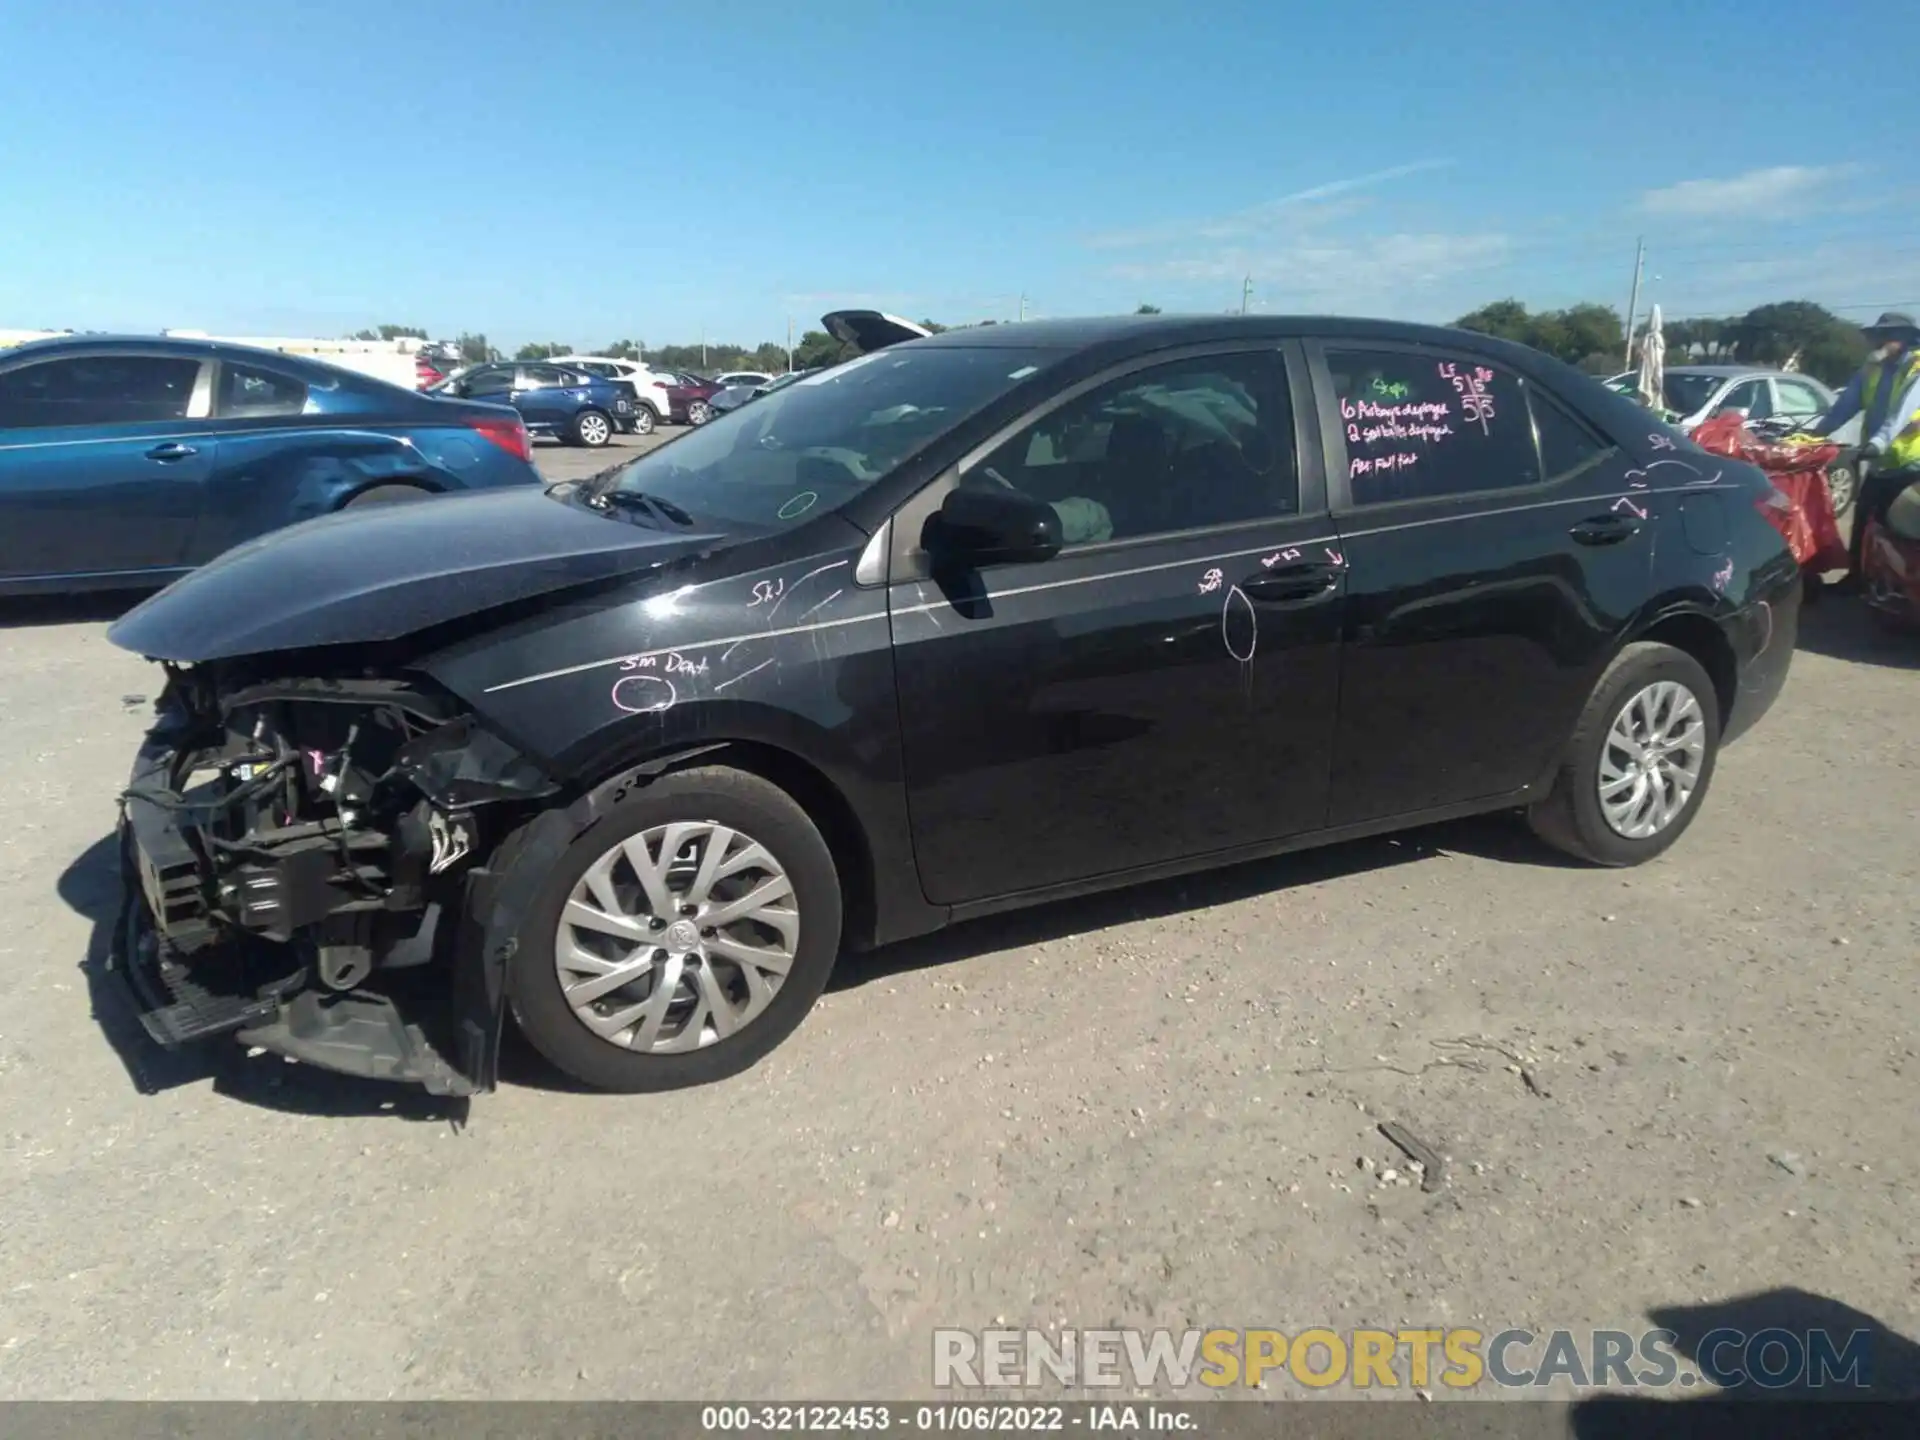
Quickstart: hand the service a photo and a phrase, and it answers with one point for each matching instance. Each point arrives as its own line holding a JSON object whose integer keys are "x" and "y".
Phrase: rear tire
{"x": 709, "y": 801}
{"x": 593, "y": 429}
{"x": 1658, "y": 680}
{"x": 643, "y": 420}
{"x": 699, "y": 413}
{"x": 386, "y": 495}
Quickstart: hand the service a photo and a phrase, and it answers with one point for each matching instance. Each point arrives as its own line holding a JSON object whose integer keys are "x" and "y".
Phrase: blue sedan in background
{"x": 126, "y": 462}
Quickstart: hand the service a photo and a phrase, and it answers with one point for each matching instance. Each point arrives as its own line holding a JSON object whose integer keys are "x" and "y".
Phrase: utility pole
{"x": 1246, "y": 295}
{"x": 1023, "y": 305}
{"x": 789, "y": 343}
{"x": 703, "y": 347}
{"x": 1633, "y": 300}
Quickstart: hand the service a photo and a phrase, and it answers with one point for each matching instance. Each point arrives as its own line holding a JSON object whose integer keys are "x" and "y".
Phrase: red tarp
{"x": 1799, "y": 472}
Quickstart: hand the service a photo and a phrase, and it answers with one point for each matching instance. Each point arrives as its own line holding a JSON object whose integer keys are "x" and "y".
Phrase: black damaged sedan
{"x": 964, "y": 623}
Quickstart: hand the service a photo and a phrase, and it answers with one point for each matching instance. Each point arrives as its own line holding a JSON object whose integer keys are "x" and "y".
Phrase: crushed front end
{"x": 296, "y": 858}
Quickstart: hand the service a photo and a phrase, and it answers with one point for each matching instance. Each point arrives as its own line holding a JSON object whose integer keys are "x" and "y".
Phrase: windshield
{"x": 1687, "y": 393}
{"x": 813, "y": 445}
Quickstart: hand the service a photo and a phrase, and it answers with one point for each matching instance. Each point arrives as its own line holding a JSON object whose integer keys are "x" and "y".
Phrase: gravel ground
{"x": 1661, "y": 1090}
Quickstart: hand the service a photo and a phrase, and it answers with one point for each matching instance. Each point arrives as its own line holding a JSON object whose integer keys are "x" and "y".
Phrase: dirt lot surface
{"x": 1660, "y": 1091}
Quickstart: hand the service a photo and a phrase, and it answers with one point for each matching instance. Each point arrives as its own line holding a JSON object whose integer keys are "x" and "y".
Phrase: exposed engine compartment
{"x": 295, "y": 841}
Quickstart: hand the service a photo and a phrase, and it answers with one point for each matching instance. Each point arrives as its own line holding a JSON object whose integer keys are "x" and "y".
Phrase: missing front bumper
{"x": 193, "y": 983}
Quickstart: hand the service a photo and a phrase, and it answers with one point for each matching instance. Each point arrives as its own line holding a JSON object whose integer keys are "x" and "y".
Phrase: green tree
{"x": 622, "y": 350}
{"x": 474, "y": 349}
{"x": 1145, "y": 309}
{"x": 1503, "y": 319}
{"x": 541, "y": 351}
{"x": 402, "y": 332}
{"x": 1809, "y": 336}
{"x": 817, "y": 348}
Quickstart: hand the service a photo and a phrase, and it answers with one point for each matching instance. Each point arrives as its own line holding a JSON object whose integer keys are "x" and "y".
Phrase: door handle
{"x": 1291, "y": 584}
{"x": 172, "y": 450}
{"x": 1608, "y": 529}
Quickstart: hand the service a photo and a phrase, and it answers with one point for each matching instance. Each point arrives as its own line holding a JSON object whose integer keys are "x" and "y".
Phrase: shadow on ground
{"x": 1841, "y": 626}
{"x": 21, "y": 612}
{"x": 1722, "y": 1341}
{"x": 91, "y": 887}
{"x": 1492, "y": 837}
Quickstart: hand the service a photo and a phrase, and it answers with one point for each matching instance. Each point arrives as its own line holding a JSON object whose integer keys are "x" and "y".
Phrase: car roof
{"x": 1121, "y": 336}
{"x": 1730, "y": 370}
{"x": 1087, "y": 332}
{"x": 313, "y": 367}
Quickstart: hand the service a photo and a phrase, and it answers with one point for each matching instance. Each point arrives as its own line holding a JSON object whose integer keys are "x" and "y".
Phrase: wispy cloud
{"x": 1384, "y": 274}
{"x": 1251, "y": 221}
{"x": 1755, "y": 192}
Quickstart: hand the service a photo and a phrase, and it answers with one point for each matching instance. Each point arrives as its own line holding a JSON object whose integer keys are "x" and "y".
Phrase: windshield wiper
{"x": 640, "y": 500}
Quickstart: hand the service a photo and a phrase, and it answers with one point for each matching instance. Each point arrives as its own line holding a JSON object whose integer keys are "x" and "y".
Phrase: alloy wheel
{"x": 643, "y": 421}
{"x": 677, "y": 937}
{"x": 1840, "y": 487}
{"x": 699, "y": 412}
{"x": 594, "y": 430}
{"x": 1651, "y": 761}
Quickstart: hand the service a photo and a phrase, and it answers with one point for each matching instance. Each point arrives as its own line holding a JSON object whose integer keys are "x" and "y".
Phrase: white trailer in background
{"x": 395, "y": 361}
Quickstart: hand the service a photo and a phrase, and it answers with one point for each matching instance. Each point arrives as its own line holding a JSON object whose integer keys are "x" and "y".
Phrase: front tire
{"x": 592, "y": 429}
{"x": 1637, "y": 769}
{"x": 643, "y": 420}
{"x": 681, "y": 937}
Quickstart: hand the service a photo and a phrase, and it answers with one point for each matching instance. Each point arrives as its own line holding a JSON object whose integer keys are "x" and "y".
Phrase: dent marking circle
{"x": 798, "y": 505}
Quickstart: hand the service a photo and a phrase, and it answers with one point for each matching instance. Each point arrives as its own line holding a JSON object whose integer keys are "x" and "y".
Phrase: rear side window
{"x": 1567, "y": 447}
{"x": 247, "y": 393}
{"x": 1424, "y": 426}
{"x": 97, "y": 390}
{"x": 545, "y": 377}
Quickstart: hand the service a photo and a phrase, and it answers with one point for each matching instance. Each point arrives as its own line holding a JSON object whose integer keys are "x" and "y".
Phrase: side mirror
{"x": 989, "y": 525}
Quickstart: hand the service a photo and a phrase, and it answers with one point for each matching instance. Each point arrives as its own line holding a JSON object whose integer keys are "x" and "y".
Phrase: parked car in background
{"x": 996, "y": 617}
{"x": 749, "y": 378}
{"x": 651, "y": 405}
{"x": 734, "y": 396}
{"x": 571, "y": 405}
{"x": 126, "y": 462}
{"x": 1782, "y": 398}
{"x": 690, "y": 398}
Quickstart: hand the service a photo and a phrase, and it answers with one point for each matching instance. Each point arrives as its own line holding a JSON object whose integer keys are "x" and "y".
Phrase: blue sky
{"x": 585, "y": 170}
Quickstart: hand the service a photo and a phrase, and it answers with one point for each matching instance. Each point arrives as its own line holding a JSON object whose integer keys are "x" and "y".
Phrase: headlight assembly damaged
{"x": 302, "y": 848}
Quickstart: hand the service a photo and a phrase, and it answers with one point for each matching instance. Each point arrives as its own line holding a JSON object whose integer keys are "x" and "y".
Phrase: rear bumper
{"x": 1764, "y": 633}
{"x": 194, "y": 980}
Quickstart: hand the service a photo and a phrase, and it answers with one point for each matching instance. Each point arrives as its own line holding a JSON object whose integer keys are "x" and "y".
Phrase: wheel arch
{"x": 388, "y": 482}
{"x": 1696, "y": 633}
{"x": 812, "y": 788}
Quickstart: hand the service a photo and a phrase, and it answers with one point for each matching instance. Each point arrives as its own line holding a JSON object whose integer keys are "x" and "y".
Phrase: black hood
{"x": 385, "y": 571}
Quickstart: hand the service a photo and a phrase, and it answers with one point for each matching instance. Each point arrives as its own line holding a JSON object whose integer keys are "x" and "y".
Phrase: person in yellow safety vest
{"x": 1886, "y": 394}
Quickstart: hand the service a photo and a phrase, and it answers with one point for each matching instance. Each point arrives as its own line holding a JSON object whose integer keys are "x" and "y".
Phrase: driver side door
{"x": 1162, "y": 688}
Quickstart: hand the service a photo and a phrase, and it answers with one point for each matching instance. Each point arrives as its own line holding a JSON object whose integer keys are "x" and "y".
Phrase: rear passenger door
{"x": 1164, "y": 686}
{"x": 1496, "y": 547}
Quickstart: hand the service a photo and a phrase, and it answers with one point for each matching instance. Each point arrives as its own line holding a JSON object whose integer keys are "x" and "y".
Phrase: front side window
{"x": 1182, "y": 446}
{"x": 1422, "y": 426}
{"x": 1749, "y": 397}
{"x": 97, "y": 390}
{"x": 1686, "y": 394}
{"x": 247, "y": 392}
{"x": 816, "y": 444}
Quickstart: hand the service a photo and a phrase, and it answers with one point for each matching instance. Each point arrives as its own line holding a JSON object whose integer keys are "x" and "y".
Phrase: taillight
{"x": 509, "y": 434}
